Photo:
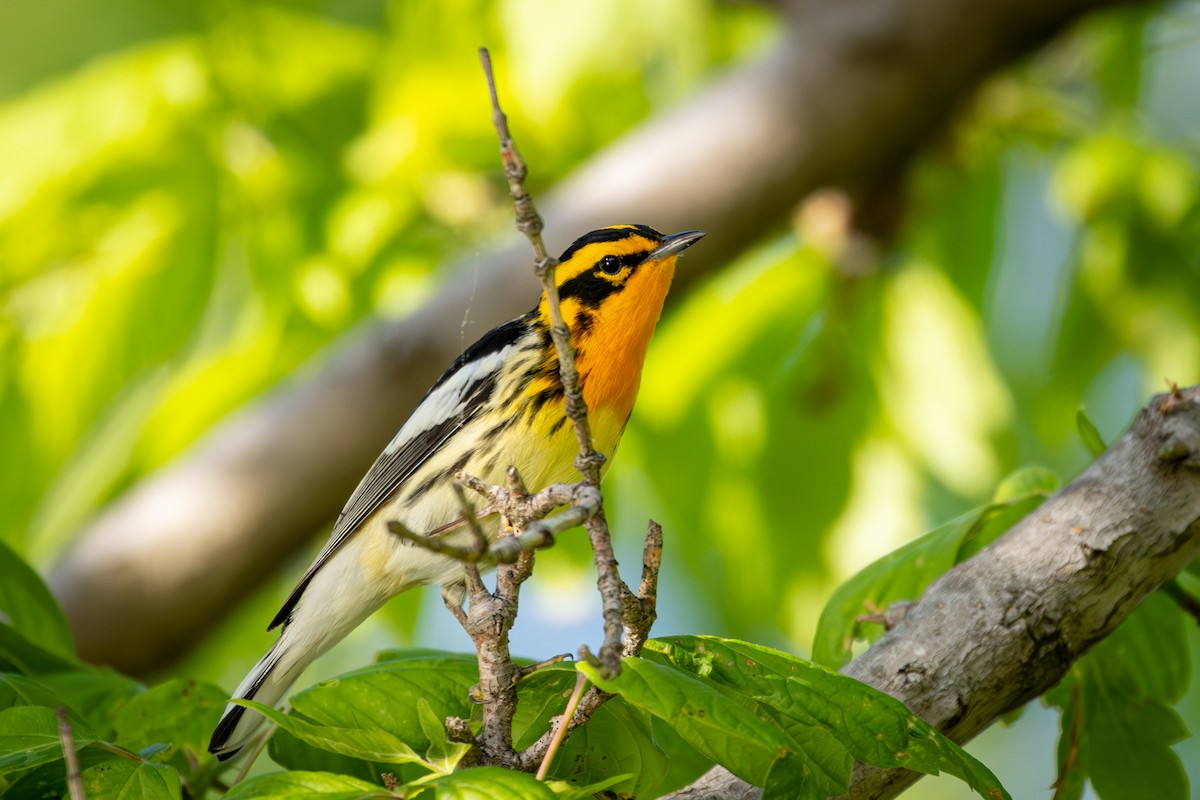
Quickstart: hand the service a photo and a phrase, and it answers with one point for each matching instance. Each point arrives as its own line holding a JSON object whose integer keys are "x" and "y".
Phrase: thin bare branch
{"x": 529, "y": 222}
{"x": 560, "y": 726}
{"x": 75, "y": 788}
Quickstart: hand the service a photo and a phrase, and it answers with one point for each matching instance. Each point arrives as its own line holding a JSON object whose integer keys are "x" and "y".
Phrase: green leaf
{"x": 28, "y": 737}
{"x": 849, "y": 715}
{"x": 299, "y": 756}
{"x": 18, "y": 691}
{"x": 684, "y": 763}
{"x": 1118, "y": 723}
{"x": 122, "y": 779}
{"x": 1026, "y": 483}
{"x": 616, "y": 747}
{"x": 571, "y": 791}
{"x": 723, "y": 728}
{"x": 904, "y": 574}
{"x": 423, "y": 654}
{"x": 384, "y": 697}
{"x": 27, "y": 605}
{"x": 829, "y": 760}
{"x": 1130, "y": 751}
{"x": 95, "y": 693}
{"x": 1071, "y": 751}
{"x": 1089, "y": 435}
{"x": 443, "y": 754}
{"x": 316, "y": 785}
{"x": 19, "y": 654}
{"x": 617, "y": 742}
{"x": 180, "y": 713}
{"x": 363, "y": 743}
{"x": 479, "y": 783}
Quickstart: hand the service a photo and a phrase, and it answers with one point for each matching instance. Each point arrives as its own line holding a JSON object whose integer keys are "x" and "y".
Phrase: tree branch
{"x": 1003, "y": 627}
{"x": 733, "y": 160}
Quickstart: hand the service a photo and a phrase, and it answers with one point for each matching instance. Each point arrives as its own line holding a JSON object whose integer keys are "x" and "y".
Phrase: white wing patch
{"x": 447, "y": 400}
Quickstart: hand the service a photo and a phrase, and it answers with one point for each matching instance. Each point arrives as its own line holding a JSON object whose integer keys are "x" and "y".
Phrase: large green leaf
{"x": 122, "y": 779}
{"x": 26, "y": 605}
{"x": 366, "y": 743}
{"x": 618, "y": 740}
{"x": 868, "y": 724}
{"x": 384, "y": 696}
{"x": 96, "y": 694}
{"x": 29, "y": 736}
{"x": 18, "y": 691}
{"x": 19, "y": 654}
{"x": 1118, "y": 720}
{"x": 722, "y": 727}
{"x": 180, "y": 713}
{"x": 481, "y": 783}
{"x": 315, "y": 785}
{"x": 905, "y": 573}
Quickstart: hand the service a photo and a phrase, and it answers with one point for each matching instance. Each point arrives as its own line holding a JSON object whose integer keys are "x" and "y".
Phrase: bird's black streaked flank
{"x": 500, "y": 403}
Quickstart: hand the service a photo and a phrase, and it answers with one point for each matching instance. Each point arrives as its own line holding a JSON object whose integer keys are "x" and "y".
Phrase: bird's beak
{"x": 675, "y": 244}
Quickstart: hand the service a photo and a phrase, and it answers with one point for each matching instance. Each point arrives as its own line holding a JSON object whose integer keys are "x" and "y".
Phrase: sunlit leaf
{"x": 852, "y": 718}
{"x": 903, "y": 575}
{"x": 361, "y": 743}
{"x": 316, "y": 785}
{"x": 721, "y": 727}
{"x": 480, "y": 783}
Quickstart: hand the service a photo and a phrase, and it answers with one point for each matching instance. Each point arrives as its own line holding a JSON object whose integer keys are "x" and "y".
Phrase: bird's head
{"x": 617, "y": 277}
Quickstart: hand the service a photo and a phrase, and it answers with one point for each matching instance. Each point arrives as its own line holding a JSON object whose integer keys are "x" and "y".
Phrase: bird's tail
{"x": 325, "y": 615}
{"x": 265, "y": 684}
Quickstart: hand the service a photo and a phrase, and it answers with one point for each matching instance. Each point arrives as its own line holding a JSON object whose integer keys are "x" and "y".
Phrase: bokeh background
{"x": 197, "y": 199}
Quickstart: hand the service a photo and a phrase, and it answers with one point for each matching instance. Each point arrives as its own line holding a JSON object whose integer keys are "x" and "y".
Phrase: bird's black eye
{"x": 611, "y": 265}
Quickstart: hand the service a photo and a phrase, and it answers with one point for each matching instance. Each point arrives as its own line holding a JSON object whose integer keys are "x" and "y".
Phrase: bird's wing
{"x": 458, "y": 396}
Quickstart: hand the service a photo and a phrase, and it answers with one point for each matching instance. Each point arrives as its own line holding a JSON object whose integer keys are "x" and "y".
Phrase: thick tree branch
{"x": 1005, "y": 626}
{"x": 850, "y": 91}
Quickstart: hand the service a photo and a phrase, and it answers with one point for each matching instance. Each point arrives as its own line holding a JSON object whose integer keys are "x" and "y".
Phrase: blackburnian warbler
{"x": 500, "y": 403}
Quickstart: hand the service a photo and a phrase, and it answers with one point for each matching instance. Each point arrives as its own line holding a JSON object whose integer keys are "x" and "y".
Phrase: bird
{"x": 499, "y": 404}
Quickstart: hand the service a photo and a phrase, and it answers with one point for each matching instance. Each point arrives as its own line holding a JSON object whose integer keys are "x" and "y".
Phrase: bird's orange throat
{"x": 611, "y": 341}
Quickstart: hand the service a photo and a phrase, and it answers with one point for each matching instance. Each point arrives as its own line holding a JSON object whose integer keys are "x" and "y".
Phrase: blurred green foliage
{"x": 196, "y": 198}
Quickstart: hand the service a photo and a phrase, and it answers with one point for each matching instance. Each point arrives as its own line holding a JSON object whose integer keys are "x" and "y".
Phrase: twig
{"x": 529, "y": 669}
{"x": 470, "y": 518}
{"x": 74, "y": 781}
{"x": 560, "y": 727}
{"x": 529, "y": 222}
{"x": 523, "y": 513}
{"x": 592, "y": 699}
